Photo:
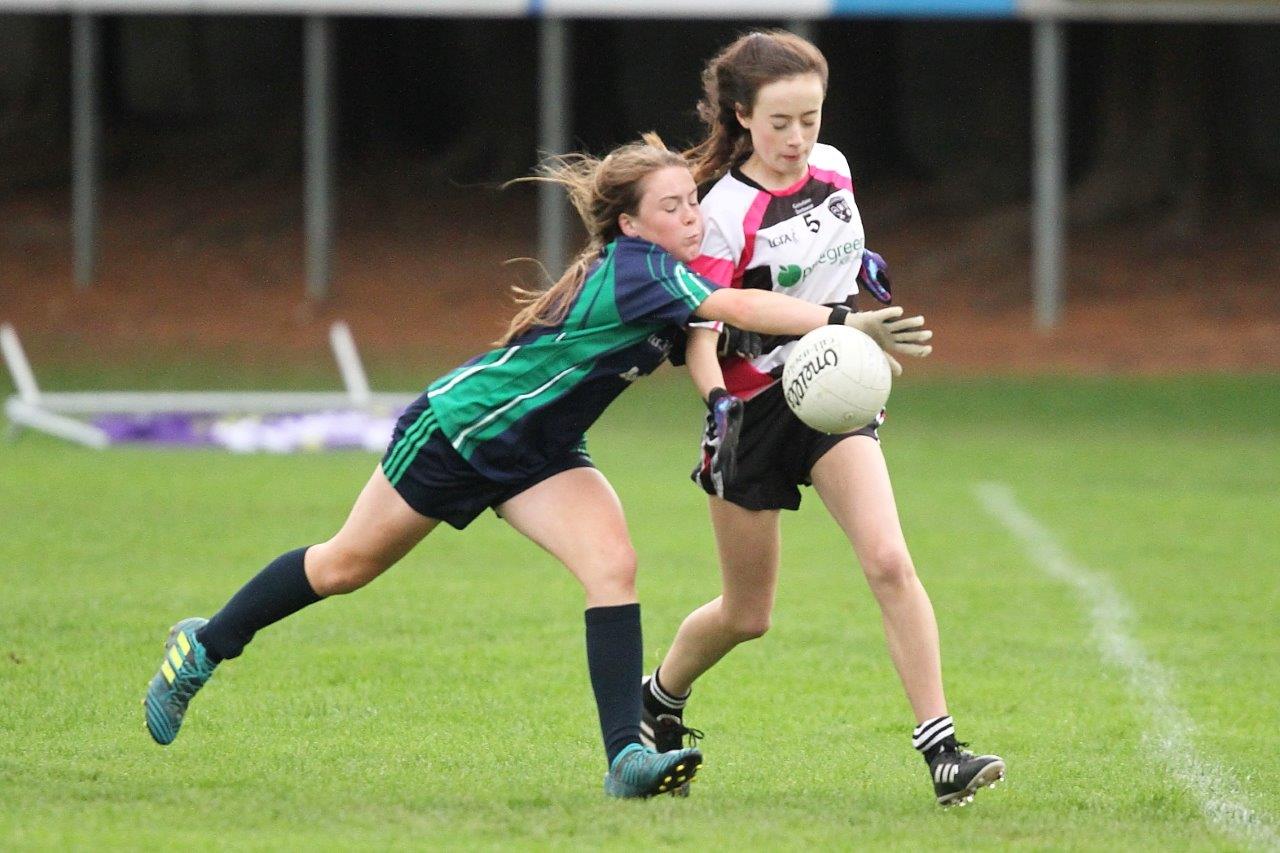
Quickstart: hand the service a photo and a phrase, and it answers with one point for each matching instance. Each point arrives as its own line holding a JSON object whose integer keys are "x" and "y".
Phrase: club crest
{"x": 840, "y": 208}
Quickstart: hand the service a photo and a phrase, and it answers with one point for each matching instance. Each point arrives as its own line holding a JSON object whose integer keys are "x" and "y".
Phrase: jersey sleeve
{"x": 720, "y": 253}
{"x": 718, "y": 259}
{"x": 661, "y": 290}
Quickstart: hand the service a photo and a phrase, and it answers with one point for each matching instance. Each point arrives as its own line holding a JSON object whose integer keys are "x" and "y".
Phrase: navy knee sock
{"x": 615, "y": 658}
{"x": 275, "y": 592}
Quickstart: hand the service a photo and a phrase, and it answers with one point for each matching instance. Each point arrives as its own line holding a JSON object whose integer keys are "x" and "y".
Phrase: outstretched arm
{"x": 778, "y": 314}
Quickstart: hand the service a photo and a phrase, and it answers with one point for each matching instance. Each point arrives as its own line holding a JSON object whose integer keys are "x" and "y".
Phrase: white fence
{"x": 59, "y": 413}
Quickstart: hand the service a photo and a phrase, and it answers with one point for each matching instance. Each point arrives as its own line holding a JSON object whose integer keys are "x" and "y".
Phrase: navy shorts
{"x": 776, "y": 452}
{"x": 436, "y": 481}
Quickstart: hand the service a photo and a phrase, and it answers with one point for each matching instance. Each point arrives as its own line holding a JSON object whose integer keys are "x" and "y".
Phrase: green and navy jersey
{"x": 511, "y": 410}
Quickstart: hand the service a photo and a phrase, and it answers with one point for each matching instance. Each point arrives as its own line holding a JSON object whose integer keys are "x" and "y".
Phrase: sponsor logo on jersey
{"x": 790, "y": 275}
{"x": 781, "y": 239}
{"x": 804, "y": 205}
{"x": 840, "y": 208}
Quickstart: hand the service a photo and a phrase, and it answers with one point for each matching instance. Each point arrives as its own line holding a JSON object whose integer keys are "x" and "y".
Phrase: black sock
{"x": 615, "y": 659}
{"x": 275, "y": 592}
{"x": 659, "y": 700}
{"x": 946, "y": 745}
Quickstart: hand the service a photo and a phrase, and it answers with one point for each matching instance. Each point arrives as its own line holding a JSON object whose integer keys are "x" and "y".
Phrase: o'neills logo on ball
{"x": 824, "y": 359}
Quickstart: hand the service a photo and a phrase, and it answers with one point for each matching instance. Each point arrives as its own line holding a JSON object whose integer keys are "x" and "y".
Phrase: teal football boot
{"x": 184, "y": 670}
{"x": 638, "y": 771}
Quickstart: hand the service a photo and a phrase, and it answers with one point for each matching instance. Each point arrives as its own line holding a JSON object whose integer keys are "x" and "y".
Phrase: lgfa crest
{"x": 840, "y": 208}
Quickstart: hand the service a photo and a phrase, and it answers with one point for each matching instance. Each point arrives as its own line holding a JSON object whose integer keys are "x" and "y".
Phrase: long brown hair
{"x": 601, "y": 190}
{"x": 731, "y": 81}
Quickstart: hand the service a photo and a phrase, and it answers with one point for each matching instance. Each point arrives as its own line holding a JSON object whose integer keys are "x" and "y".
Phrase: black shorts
{"x": 436, "y": 481}
{"x": 776, "y": 452}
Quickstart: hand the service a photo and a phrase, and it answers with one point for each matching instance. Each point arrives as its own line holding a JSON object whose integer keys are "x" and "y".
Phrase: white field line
{"x": 1169, "y": 728}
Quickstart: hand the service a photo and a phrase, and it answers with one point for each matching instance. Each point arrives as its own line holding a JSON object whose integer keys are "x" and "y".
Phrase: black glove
{"x": 740, "y": 342}
{"x": 678, "y": 343}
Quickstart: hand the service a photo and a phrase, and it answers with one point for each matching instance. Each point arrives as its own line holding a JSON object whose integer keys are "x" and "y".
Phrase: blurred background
{"x": 171, "y": 244}
{"x": 1171, "y": 139}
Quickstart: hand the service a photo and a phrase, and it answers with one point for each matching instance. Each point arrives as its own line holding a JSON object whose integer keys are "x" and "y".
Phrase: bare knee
{"x": 611, "y": 574}
{"x": 750, "y": 629}
{"x": 335, "y": 570}
{"x": 745, "y": 625}
{"x": 889, "y": 569}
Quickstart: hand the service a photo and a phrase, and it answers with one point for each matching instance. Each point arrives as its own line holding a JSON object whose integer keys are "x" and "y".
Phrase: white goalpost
{"x": 59, "y": 413}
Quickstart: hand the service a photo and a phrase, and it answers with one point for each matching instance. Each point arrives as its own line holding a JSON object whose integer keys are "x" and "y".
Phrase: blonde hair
{"x": 601, "y": 190}
{"x": 732, "y": 79}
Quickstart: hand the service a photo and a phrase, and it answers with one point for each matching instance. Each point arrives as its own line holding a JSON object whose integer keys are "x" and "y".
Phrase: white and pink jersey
{"x": 805, "y": 241}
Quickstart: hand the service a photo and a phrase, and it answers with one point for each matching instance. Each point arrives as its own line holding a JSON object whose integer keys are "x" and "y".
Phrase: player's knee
{"x": 751, "y": 628}
{"x": 889, "y": 568}
{"x": 613, "y": 570}
{"x": 748, "y": 625}
{"x": 334, "y": 570}
{"x": 621, "y": 567}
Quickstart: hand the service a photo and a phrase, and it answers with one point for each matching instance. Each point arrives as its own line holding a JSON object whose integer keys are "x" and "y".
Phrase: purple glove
{"x": 722, "y": 449}
{"x": 874, "y": 277}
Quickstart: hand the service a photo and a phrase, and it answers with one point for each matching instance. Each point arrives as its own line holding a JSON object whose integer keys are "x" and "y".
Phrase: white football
{"x": 836, "y": 379}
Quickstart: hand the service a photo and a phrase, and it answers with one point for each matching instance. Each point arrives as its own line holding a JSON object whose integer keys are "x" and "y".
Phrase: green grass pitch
{"x": 447, "y": 705}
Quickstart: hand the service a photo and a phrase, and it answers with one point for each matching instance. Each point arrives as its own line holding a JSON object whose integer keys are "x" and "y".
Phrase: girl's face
{"x": 668, "y": 213}
{"x": 784, "y": 124}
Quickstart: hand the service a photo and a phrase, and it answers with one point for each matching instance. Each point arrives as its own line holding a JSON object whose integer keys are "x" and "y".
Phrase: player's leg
{"x": 745, "y": 516}
{"x": 853, "y": 481}
{"x": 749, "y": 544}
{"x": 576, "y": 516}
{"x": 380, "y": 529}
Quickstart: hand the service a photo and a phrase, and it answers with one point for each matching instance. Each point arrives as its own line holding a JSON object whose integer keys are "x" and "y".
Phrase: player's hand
{"x": 726, "y": 413}
{"x": 896, "y": 335}
{"x": 739, "y": 342}
{"x": 873, "y": 277}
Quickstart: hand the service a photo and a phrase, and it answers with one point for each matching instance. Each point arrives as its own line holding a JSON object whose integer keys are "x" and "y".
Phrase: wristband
{"x": 715, "y": 396}
{"x": 838, "y": 315}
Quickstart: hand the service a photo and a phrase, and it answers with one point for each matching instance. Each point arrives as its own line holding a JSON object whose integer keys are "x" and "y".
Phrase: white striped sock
{"x": 930, "y": 733}
{"x": 664, "y": 697}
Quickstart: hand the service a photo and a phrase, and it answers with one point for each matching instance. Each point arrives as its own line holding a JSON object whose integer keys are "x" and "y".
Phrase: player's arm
{"x": 720, "y": 446}
{"x": 778, "y": 314}
{"x": 703, "y": 361}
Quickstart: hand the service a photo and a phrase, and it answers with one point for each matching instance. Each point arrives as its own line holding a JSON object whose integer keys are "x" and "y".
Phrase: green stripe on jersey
{"x": 692, "y": 290}
{"x": 408, "y": 446}
{"x": 479, "y": 402}
{"x": 496, "y": 421}
{"x": 683, "y": 284}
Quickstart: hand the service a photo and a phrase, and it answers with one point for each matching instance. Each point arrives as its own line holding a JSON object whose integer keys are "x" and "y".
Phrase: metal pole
{"x": 1049, "y": 179}
{"x": 318, "y": 154}
{"x": 85, "y": 134}
{"x": 553, "y": 138}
